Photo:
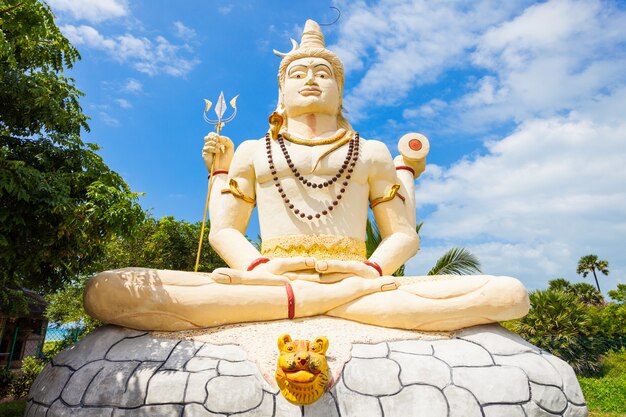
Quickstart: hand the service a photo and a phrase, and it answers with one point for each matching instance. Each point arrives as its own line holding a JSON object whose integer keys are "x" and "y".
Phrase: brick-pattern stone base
{"x": 484, "y": 371}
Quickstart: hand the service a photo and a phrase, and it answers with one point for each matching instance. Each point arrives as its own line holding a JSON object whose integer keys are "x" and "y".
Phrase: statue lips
{"x": 310, "y": 91}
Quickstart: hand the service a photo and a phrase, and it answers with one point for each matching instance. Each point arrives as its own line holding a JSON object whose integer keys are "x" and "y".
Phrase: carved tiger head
{"x": 302, "y": 371}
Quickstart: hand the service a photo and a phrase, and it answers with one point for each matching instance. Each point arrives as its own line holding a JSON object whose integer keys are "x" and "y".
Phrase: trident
{"x": 220, "y": 109}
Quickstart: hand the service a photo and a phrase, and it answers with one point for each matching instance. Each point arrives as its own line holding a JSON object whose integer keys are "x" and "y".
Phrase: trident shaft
{"x": 219, "y": 123}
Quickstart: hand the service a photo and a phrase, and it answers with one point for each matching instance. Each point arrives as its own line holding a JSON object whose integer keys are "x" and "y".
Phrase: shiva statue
{"x": 313, "y": 180}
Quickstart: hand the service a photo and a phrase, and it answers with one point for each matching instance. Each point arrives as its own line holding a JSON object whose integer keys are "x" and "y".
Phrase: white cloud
{"x": 553, "y": 188}
{"x": 123, "y": 103}
{"x": 405, "y": 44}
{"x": 132, "y": 86}
{"x": 91, "y": 10}
{"x": 148, "y": 56}
{"x": 108, "y": 119}
{"x": 554, "y": 57}
{"x": 226, "y": 9}
{"x": 183, "y": 31}
{"x": 530, "y": 61}
{"x": 547, "y": 194}
{"x": 430, "y": 109}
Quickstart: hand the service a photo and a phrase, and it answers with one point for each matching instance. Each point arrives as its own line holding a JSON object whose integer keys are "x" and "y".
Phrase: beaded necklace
{"x": 347, "y": 167}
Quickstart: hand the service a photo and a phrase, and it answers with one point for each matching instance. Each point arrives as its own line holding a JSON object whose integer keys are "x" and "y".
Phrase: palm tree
{"x": 560, "y": 324}
{"x": 590, "y": 263}
{"x": 584, "y": 292}
{"x": 456, "y": 261}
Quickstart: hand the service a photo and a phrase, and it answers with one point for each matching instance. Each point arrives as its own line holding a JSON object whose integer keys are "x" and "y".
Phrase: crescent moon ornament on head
{"x": 294, "y": 46}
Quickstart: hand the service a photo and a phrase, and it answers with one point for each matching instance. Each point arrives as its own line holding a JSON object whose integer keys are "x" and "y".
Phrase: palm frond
{"x": 256, "y": 243}
{"x": 372, "y": 237}
{"x": 456, "y": 261}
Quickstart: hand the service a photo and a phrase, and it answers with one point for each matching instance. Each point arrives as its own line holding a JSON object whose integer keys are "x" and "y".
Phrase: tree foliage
{"x": 59, "y": 202}
{"x": 584, "y": 292}
{"x": 560, "y": 324}
{"x": 619, "y": 295}
{"x": 456, "y": 261}
{"x": 591, "y": 263}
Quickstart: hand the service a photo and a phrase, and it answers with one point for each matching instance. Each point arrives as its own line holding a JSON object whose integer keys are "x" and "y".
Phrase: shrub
{"x": 559, "y": 323}
{"x": 5, "y": 380}
{"x": 13, "y": 408}
{"x": 614, "y": 364}
{"x": 31, "y": 367}
{"x": 610, "y": 324}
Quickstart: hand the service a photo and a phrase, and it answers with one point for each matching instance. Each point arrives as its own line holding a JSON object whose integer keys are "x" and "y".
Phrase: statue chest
{"x": 310, "y": 162}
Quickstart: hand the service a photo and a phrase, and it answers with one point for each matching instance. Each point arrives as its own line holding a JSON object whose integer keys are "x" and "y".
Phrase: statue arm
{"x": 399, "y": 238}
{"x": 229, "y": 214}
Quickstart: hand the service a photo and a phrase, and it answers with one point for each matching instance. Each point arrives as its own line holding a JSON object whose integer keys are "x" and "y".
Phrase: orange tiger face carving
{"x": 302, "y": 371}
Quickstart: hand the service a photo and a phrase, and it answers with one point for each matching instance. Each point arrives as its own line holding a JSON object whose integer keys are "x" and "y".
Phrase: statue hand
{"x": 235, "y": 276}
{"x": 354, "y": 268}
{"x": 219, "y": 147}
{"x": 280, "y": 266}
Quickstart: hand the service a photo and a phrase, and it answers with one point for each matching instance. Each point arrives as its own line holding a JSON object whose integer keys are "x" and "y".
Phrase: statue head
{"x": 302, "y": 370}
{"x": 312, "y": 54}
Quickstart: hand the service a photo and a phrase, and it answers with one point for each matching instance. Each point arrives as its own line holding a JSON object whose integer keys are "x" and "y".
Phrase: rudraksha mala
{"x": 347, "y": 168}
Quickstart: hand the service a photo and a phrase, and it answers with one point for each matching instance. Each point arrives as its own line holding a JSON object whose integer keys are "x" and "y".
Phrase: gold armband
{"x": 236, "y": 192}
{"x": 393, "y": 191}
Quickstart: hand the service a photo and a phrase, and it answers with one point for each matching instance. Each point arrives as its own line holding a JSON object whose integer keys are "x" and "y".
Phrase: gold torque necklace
{"x": 340, "y": 134}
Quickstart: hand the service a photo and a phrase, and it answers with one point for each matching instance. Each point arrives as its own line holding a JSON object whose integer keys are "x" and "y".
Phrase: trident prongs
{"x": 220, "y": 109}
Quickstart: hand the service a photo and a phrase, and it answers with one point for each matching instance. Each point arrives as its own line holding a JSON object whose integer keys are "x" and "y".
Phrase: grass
{"x": 593, "y": 413}
{"x": 606, "y": 396}
{"x": 13, "y": 408}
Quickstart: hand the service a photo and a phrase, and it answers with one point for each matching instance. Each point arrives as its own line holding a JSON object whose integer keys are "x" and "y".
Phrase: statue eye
{"x": 290, "y": 348}
{"x": 322, "y": 75}
{"x": 313, "y": 348}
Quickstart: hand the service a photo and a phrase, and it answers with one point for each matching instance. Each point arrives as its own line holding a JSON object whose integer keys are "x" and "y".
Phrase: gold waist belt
{"x": 323, "y": 247}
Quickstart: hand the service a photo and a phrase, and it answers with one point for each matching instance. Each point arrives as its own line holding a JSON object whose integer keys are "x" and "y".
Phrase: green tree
{"x": 560, "y": 324}
{"x": 619, "y": 295}
{"x": 166, "y": 243}
{"x": 590, "y": 263}
{"x": 59, "y": 202}
{"x": 584, "y": 292}
{"x": 559, "y": 284}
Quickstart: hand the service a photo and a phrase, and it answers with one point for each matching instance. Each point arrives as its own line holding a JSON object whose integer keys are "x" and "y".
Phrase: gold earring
{"x": 276, "y": 122}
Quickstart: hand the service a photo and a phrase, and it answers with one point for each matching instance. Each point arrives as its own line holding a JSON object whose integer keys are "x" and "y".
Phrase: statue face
{"x": 310, "y": 87}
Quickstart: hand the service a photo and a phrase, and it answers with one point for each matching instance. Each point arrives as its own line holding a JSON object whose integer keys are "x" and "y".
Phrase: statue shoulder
{"x": 243, "y": 160}
{"x": 376, "y": 153}
{"x": 248, "y": 147}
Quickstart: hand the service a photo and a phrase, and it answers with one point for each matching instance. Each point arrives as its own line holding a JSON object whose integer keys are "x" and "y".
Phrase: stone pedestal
{"x": 482, "y": 371}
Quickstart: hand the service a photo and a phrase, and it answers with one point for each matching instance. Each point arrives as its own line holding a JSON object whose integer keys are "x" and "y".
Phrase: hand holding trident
{"x": 214, "y": 147}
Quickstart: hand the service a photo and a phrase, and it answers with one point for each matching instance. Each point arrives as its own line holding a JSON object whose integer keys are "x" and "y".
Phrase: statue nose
{"x": 303, "y": 359}
{"x": 310, "y": 77}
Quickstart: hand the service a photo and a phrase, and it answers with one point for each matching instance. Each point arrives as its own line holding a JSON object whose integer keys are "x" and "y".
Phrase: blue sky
{"x": 523, "y": 103}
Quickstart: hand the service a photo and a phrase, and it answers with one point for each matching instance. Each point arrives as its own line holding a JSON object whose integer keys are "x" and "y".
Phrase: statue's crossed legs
{"x": 173, "y": 300}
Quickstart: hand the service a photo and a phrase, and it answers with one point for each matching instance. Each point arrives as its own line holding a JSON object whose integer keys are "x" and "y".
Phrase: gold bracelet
{"x": 388, "y": 197}
{"x": 236, "y": 192}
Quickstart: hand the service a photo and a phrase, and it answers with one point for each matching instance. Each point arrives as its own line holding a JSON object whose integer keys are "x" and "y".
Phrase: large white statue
{"x": 312, "y": 179}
